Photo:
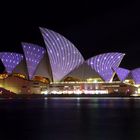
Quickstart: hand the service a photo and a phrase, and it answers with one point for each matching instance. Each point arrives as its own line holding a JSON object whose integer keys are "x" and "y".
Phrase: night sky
{"x": 94, "y": 27}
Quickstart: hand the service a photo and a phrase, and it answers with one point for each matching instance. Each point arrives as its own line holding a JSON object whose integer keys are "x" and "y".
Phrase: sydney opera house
{"x": 59, "y": 68}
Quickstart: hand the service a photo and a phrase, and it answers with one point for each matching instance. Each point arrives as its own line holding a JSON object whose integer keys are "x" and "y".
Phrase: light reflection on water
{"x": 77, "y": 118}
{"x": 93, "y": 102}
{"x": 73, "y": 102}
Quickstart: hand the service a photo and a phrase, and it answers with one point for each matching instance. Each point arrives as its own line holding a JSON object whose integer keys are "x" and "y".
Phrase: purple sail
{"x": 33, "y": 55}
{"x": 64, "y": 56}
{"x": 136, "y": 75}
{"x": 122, "y": 73}
{"x": 104, "y": 63}
{"x": 10, "y": 60}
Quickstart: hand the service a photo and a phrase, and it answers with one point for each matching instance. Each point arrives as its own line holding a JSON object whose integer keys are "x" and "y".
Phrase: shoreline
{"x": 42, "y": 96}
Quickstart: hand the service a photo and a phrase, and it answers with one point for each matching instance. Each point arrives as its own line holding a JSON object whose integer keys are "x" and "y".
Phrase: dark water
{"x": 70, "y": 119}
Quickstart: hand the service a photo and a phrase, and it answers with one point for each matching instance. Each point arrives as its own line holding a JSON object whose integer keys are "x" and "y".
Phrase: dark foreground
{"x": 72, "y": 118}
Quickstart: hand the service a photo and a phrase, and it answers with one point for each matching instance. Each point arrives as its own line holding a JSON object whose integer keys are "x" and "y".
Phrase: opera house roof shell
{"x": 60, "y": 59}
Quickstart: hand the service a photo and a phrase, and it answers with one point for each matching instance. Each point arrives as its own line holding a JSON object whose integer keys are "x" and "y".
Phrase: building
{"x": 60, "y": 68}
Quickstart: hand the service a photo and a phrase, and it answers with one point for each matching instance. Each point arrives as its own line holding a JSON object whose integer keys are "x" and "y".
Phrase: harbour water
{"x": 70, "y": 118}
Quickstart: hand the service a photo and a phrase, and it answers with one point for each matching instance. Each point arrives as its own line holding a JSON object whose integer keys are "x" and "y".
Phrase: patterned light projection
{"x": 10, "y": 60}
{"x": 136, "y": 75}
{"x": 33, "y": 55}
{"x": 104, "y": 63}
{"x": 64, "y": 56}
{"x": 121, "y": 72}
